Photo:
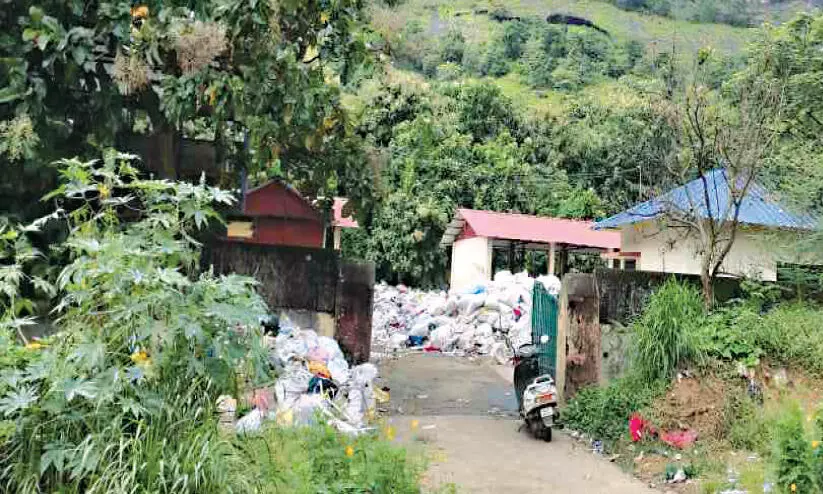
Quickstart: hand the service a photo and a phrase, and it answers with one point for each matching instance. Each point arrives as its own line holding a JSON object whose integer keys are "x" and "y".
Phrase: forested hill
{"x": 558, "y": 107}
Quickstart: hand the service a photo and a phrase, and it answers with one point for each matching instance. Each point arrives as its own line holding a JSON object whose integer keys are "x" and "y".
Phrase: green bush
{"x": 496, "y": 63}
{"x": 665, "y": 336}
{"x": 317, "y": 459}
{"x": 793, "y": 456}
{"x": 452, "y": 47}
{"x": 746, "y": 425}
{"x": 790, "y": 335}
{"x": 723, "y": 334}
{"x": 122, "y": 397}
{"x": 603, "y": 412}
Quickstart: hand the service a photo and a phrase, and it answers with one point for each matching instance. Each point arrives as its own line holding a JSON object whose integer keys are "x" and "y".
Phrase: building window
{"x": 630, "y": 265}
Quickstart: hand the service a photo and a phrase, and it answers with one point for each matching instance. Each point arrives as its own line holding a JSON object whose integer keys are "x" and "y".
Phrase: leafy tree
{"x": 405, "y": 240}
{"x": 515, "y": 35}
{"x": 483, "y": 111}
{"x": 537, "y": 65}
{"x": 496, "y": 62}
{"x": 248, "y": 76}
{"x": 711, "y": 135}
{"x": 607, "y": 147}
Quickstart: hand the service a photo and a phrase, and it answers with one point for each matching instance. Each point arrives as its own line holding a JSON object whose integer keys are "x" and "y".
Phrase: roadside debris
{"x": 679, "y": 439}
{"x": 471, "y": 322}
{"x": 314, "y": 383}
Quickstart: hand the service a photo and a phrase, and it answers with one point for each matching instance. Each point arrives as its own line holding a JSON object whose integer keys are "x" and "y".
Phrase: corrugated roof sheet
{"x": 758, "y": 207}
{"x": 527, "y": 228}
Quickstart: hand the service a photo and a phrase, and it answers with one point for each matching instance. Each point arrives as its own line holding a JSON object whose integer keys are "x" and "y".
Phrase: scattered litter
{"x": 678, "y": 477}
{"x": 429, "y": 427}
{"x": 422, "y": 397}
{"x": 250, "y": 422}
{"x": 597, "y": 447}
{"x": 461, "y": 323}
{"x": 637, "y": 426}
{"x": 679, "y": 439}
{"x": 314, "y": 383}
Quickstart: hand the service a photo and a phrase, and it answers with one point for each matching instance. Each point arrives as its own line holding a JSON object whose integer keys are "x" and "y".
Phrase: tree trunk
{"x": 707, "y": 281}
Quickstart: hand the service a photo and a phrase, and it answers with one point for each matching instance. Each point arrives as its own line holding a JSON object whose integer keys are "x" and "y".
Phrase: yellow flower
{"x": 390, "y": 433}
{"x": 415, "y": 424}
{"x": 34, "y": 345}
{"x": 324, "y": 17}
{"x": 140, "y": 357}
{"x": 815, "y": 444}
{"x": 349, "y": 451}
{"x": 794, "y": 487}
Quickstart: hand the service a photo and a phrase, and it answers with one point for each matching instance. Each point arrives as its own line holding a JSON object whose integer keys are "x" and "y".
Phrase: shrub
{"x": 746, "y": 425}
{"x": 122, "y": 397}
{"x": 790, "y": 335}
{"x": 452, "y": 47}
{"x": 665, "y": 335}
{"x": 514, "y": 37}
{"x": 496, "y": 63}
{"x": 306, "y": 459}
{"x": 793, "y": 460}
{"x": 603, "y": 411}
{"x": 448, "y": 72}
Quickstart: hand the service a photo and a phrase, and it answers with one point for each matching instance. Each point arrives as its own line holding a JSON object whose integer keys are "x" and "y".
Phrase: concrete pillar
{"x": 551, "y": 258}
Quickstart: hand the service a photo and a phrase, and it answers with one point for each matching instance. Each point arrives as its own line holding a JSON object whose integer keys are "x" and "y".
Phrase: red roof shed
{"x": 279, "y": 215}
{"x": 575, "y": 234}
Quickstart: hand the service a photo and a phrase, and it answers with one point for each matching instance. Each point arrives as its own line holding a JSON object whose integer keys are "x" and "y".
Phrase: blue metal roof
{"x": 757, "y": 208}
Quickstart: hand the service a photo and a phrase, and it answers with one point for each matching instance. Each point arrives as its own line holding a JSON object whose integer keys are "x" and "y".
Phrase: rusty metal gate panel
{"x": 544, "y": 323}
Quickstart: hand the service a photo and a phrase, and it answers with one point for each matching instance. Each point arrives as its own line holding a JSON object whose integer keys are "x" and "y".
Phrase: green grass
{"x": 317, "y": 459}
{"x": 655, "y": 31}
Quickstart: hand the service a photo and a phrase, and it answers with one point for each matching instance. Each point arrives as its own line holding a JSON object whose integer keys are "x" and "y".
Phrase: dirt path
{"x": 466, "y": 414}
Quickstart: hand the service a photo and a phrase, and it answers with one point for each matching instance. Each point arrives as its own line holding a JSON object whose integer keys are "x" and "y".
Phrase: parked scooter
{"x": 536, "y": 393}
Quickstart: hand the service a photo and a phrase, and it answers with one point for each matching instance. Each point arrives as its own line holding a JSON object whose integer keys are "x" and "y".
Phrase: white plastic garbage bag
{"x": 551, "y": 283}
{"x": 293, "y": 383}
{"x": 421, "y": 328}
{"x": 484, "y": 330}
{"x": 250, "y": 422}
{"x": 442, "y": 338}
{"x": 339, "y": 369}
{"x": 503, "y": 277}
{"x": 397, "y": 341}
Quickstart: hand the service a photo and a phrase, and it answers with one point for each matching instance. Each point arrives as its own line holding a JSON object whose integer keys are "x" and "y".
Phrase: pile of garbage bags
{"x": 473, "y": 321}
{"x": 314, "y": 382}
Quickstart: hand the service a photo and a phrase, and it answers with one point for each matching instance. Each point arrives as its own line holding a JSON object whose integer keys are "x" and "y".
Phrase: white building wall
{"x": 471, "y": 262}
{"x": 670, "y": 250}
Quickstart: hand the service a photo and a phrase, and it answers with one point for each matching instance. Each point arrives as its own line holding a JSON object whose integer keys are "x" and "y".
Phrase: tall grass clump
{"x": 665, "y": 336}
{"x": 317, "y": 459}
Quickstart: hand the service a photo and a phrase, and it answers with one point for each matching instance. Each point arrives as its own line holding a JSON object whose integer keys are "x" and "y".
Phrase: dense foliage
{"x": 248, "y": 77}
{"x": 123, "y": 393}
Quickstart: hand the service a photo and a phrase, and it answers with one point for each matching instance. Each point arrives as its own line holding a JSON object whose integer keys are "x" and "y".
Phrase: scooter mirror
{"x": 525, "y": 351}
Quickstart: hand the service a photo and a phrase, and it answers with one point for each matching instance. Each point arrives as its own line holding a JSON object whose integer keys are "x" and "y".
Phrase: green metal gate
{"x": 544, "y": 323}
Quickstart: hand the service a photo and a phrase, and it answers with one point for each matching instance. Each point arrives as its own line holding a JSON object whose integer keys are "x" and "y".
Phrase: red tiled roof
{"x": 525, "y": 228}
{"x": 339, "y": 220}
